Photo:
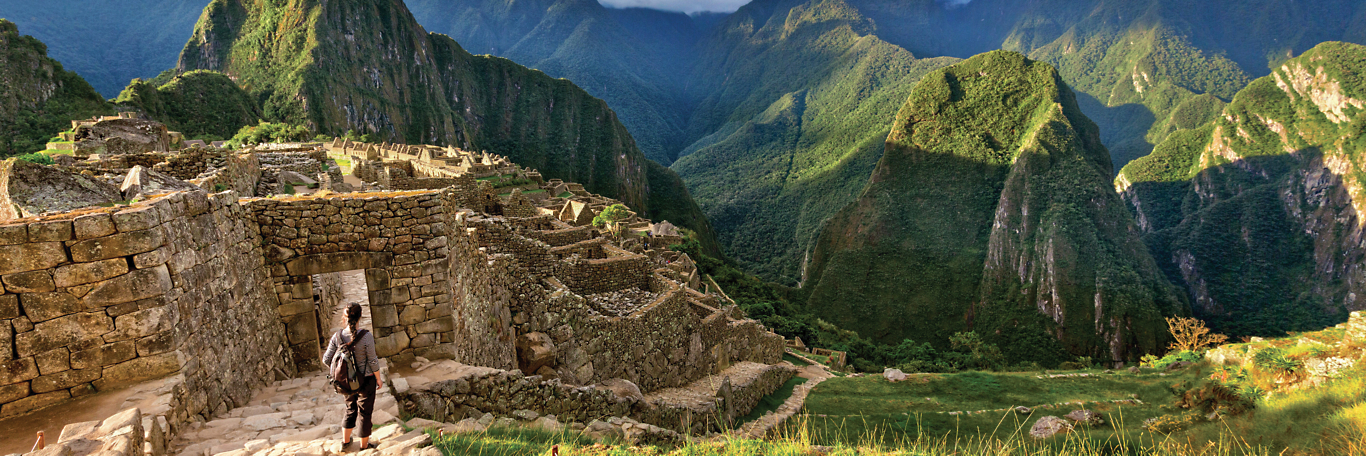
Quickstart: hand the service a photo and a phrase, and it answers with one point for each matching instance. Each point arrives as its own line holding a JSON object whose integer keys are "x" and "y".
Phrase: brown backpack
{"x": 346, "y": 378}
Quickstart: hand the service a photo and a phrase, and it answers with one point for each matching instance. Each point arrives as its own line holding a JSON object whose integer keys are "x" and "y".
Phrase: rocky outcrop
{"x": 142, "y": 182}
{"x": 122, "y": 137}
{"x": 28, "y": 189}
{"x": 1003, "y": 224}
{"x": 1257, "y": 214}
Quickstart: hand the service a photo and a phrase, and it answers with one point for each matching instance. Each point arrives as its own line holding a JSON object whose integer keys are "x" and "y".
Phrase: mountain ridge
{"x": 991, "y": 211}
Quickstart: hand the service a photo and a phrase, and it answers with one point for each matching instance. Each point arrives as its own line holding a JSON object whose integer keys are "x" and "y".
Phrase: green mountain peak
{"x": 991, "y": 211}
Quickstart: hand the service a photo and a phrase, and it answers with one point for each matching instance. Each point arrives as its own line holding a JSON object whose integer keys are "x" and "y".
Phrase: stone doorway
{"x": 333, "y": 292}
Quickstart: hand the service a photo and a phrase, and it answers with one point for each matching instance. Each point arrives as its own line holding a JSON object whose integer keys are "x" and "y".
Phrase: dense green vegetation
{"x": 200, "y": 104}
{"x": 1226, "y": 207}
{"x": 991, "y": 211}
{"x": 267, "y": 132}
{"x": 792, "y": 133}
{"x": 37, "y": 96}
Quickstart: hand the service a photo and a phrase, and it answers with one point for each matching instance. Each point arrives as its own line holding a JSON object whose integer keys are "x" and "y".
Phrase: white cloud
{"x": 686, "y": 6}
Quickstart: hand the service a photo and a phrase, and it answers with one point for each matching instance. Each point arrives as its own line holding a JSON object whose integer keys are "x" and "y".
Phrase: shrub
{"x": 39, "y": 158}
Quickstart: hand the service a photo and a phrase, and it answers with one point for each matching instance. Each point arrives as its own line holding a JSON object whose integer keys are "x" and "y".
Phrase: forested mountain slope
{"x": 1257, "y": 214}
{"x": 38, "y": 98}
{"x": 991, "y": 211}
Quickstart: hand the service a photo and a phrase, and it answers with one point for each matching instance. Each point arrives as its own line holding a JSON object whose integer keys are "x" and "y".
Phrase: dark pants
{"x": 362, "y": 403}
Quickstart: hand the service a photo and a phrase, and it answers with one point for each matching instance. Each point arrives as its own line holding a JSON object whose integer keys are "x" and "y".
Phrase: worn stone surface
{"x": 122, "y": 137}
{"x": 31, "y": 189}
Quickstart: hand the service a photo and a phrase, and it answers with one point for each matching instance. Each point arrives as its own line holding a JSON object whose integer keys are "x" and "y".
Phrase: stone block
{"x": 34, "y": 402}
{"x": 137, "y": 219}
{"x": 31, "y": 257}
{"x": 391, "y": 296}
{"x": 83, "y": 273}
{"x": 138, "y": 369}
{"x": 424, "y": 340}
{"x": 42, "y": 307}
{"x": 301, "y": 328}
{"x": 14, "y": 233}
{"x": 6, "y": 341}
{"x": 18, "y": 370}
{"x": 384, "y": 316}
{"x": 103, "y": 355}
{"x": 437, "y": 325}
{"x": 376, "y": 279}
{"x": 152, "y": 259}
{"x": 13, "y": 392}
{"x": 63, "y": 380}
{"x": 50, "y": 231}
{"x": 140, "y": 324}
{"x": 412, "y": 315}
{"x": 53, "y": 361}
{"x": 158, "y": 343}
{"x": 133, "y": 286}
{"x": 94, "y": 225}
{"x": 63, "y": 331}
{"x": 337, "y": 262}
{"x": 29, "y": 282}
{"x": 392, "y": 344}
{"x": 9, "y": 306}
{"x": 118, "y": 245}
{"x": 295, "y": 307}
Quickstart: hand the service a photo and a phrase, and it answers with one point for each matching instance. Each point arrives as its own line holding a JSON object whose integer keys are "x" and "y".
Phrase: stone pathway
{"x": 762, "y": 427}
{"x": 302, "y": 415}
{"x": 296, "y": 416}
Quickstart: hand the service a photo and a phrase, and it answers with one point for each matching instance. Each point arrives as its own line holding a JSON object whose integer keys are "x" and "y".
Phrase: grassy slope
{"x": 38, "y": 98}
{"x": 198, "y": 104}
{"x": 306, "y": 63}
{"x": 1256, "y": 265}
{"x": 991, "y": 204}
{"x": 789, "y": 137}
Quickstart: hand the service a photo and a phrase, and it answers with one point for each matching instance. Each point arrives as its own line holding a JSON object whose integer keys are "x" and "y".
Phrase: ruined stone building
{"x": 131, "y": 277}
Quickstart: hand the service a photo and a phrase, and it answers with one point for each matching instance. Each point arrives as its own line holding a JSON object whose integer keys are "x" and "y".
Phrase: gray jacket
{"x": 366, "y": 360}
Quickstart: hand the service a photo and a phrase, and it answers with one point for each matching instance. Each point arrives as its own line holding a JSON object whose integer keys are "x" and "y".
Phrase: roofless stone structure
{"x": 473, "y": 261}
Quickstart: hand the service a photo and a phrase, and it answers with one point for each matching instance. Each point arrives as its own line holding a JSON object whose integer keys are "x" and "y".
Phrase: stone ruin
{"x": 471, "y": 265}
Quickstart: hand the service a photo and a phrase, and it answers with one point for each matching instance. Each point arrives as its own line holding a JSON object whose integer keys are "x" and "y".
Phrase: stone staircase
{"x": 300, "y": 416}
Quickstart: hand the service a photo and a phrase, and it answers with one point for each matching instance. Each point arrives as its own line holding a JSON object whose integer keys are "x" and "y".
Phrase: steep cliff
{"x": 634, "y": 59}
{"x": 990, "y": 210}
{"x": 1257, "y": 213}
{"x": 37, "y": 97}
{"x": 366, "y": 65}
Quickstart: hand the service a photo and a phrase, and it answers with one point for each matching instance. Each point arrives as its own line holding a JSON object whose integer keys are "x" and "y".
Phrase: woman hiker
{"x": 363, "y": 402}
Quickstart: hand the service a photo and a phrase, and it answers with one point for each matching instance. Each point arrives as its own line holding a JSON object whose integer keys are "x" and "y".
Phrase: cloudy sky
{"x": 687, "y": 6}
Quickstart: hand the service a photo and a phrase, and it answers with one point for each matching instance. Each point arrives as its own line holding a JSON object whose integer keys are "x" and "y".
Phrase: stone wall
{"x": 620, "y": 270}
{"x": 469, "y": 392}
{"x": 98, "y": 299}
{"x": 240, "y": 173}
{"x": 398, "y": 239}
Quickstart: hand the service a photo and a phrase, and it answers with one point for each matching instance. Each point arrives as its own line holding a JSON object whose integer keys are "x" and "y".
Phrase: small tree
{"x": 610, "y": 218}
{"x": 1191, "y": 334}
